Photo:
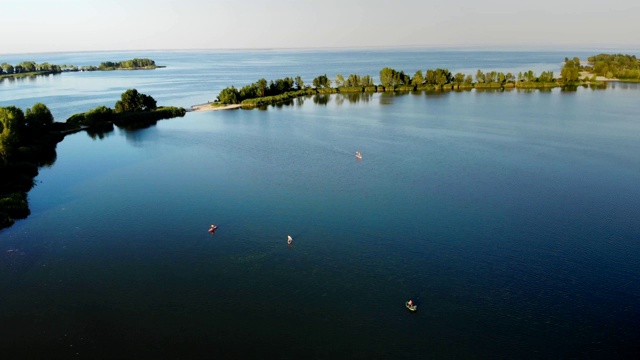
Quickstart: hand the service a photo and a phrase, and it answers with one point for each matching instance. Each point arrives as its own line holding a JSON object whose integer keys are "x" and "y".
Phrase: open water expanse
{"x": 512, "y": 218}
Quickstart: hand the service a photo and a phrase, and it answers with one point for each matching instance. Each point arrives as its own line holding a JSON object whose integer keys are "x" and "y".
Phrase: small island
{"x": 31, "y": 68}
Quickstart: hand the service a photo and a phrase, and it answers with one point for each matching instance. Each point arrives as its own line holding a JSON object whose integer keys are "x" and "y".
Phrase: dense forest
{"x": 28, "y": 141}
{"x": 615, "y": 66}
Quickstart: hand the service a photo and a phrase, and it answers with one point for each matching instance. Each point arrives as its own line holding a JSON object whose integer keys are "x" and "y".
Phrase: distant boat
{"x": 289, "y": 239}
{"x": 358, "y": 155}
{"x": 412, "y": 308}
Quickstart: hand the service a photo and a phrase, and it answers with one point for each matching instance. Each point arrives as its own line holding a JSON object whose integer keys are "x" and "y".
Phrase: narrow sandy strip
{"x": 209, "y": 107}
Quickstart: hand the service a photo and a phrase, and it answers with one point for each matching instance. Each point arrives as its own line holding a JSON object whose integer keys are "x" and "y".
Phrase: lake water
{"x": 511, "y": 218}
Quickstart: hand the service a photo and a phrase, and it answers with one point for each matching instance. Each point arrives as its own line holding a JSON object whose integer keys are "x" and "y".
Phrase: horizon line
{"x": 458, "y": 47}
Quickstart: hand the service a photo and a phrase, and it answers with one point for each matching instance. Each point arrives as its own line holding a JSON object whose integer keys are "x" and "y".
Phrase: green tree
{"x": 299, "y": 83}
{"x": 353, "y": 80}
{"x": 480, "y": 78}
{"x": 443, "y": 76}
{"x": 131, "y": 100}
{"x": 28, "y": 66}
{"x": 7, "y": 68}
{"x": 530, "y": 76}
{"x": 262, "y": 87}
{"x": 339, "y": 80}
{"x": 468, "y": 80}
{"x": 97, "y": 116}
{"x": 321, "y": 81}
{"x": 570, "y": 72}
{"x": 366, "y": 80}
{"x": 388, "y": 77}
{"x": 546, "y": 77}
{"x": 229, "y": 95}
{"x": 38, "y": 118}
{"x": 11, "y": 126}
{"x": 458, "y": 78}
{"x": 418, "y": 78}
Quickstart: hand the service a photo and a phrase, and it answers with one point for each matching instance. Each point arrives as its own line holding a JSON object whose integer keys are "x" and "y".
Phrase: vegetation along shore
{"x": 28, "y": 139}
{"x": 603, "y": 67}
{"x": 31, "y": 68}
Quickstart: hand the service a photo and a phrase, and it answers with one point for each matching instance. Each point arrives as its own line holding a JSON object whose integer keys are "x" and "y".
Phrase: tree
{"x": 529, "y": 76}
{"x": 38, "y": 118}
{"x": 417, "y": 79}
{"x": 11, "y": 125}
{"x": 546, "y": 76}
{"x": 321, "y": 81}
{"x": 99, "y": 115}
{"x": 509, "y": 77}
{"x": 339, "y": 80}
{"x": 387, "y": 77}
{"x": 249, "y": 92}
{"x": 131, "y": 100}
{"x": 402, "y": 79}
{"x": 7, "y": 68}
{"x": 299, "y": 83}
{"x": 458, "y": 78}
{"x": 480, "y": 76}
{"x": 468, "y": 80}
{"x": 148, "y": 103}
{"x": 28, "y": 66}
{"x": 366, "y": 81}
{"x": 443, "y": 76}
{"x": 228, "y": 95}
{"x": 262, "y": 87}
{"x": 353, "y": 80}
{"x": 570, "y": 72}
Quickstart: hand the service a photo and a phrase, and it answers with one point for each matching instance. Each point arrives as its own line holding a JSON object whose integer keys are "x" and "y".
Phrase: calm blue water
{"x": 511, "y": 218}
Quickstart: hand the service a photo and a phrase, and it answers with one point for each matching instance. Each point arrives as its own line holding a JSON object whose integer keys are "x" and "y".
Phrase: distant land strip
{"x": 31, "y": 68}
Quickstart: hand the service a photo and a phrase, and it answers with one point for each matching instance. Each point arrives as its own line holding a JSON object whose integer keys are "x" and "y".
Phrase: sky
{"x": 33, "y": 26}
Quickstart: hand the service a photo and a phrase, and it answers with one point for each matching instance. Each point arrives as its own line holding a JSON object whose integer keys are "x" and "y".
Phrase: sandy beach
{"x": 210, "y": 107}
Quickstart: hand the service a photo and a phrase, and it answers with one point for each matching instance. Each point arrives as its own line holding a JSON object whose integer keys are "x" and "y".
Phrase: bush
{"x": 142, "y": 119}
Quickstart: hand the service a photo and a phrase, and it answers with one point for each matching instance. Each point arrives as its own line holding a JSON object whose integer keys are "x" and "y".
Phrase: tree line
{"x": 615, "y": 66}
{"x": 395, "y": 80}
{"x": 31, "y": 67}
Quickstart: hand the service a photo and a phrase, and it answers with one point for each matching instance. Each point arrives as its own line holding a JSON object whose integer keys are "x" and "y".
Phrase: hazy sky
{"x": 80, "y": 25}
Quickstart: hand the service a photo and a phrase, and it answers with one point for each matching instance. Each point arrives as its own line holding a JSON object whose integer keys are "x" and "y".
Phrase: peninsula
{"x": 599, "y": 68}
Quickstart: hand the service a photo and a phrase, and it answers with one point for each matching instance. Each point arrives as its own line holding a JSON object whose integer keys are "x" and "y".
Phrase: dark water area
{"x": 510, "y": 217}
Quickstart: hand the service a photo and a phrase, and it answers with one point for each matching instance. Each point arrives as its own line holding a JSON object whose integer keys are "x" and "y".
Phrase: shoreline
{"x": 210, "y": 107}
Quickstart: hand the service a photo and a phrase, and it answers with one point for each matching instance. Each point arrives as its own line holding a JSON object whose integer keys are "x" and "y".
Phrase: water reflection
{"x": 386, "y": 98}
{"x": 100, "y": 133}
{"x": 47, "y": 155}
{"x": 321, "y": 99}
{"x": 137, "y": 137}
